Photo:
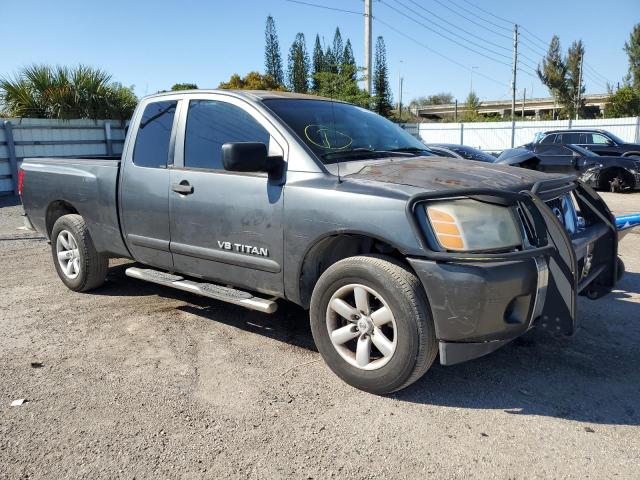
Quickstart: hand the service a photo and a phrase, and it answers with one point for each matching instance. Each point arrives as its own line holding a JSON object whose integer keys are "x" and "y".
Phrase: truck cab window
{"x": 211, "y": 124}
{"x": 154, "y": 133}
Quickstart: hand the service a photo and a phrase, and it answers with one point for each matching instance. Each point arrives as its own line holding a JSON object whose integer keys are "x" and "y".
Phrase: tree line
{"x": 329, "y": 71}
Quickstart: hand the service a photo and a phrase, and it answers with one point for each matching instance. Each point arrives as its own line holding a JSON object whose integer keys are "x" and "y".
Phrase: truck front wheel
{"x": 370, "y": 322}
{"x": 79, "y": 265}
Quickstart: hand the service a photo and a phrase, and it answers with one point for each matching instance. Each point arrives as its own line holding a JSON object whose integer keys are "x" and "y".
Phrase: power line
{"x": 534, "y": 36}
{"x": 418, "y": 42}
{"x": 531, "y": 46}
{"x": 325, "y": 7}
{"x": 471, "y": 20}
{"x": 457, "y": 27}
{"x": 488, "y": 12}
{"x": 477, "y": 52}
{"x": 595, "y": 72}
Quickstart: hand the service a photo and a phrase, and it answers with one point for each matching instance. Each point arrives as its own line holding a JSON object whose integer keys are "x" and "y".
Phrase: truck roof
{"x": 249, "y": 94}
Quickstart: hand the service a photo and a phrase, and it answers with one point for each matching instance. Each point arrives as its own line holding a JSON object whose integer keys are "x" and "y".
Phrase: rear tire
{"x": 402, "y": 346}
{"x": 79, "y": 265}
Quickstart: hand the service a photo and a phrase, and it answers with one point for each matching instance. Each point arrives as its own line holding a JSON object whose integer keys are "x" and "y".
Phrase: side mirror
{"x": 250, "y": 157}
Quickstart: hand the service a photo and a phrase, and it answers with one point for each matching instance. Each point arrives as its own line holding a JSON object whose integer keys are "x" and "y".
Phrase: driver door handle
{"x": 183, "y": 188}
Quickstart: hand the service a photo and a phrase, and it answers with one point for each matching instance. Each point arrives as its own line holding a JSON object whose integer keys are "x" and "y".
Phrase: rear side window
{"x": 211, "y": 124}
{"x": 571, "y": 138}
{"x": 154, "y": 133}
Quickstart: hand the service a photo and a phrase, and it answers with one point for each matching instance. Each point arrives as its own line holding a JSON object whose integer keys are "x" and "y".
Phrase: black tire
{"x": 416, "y": 347}
{"x": 92, "y": 266}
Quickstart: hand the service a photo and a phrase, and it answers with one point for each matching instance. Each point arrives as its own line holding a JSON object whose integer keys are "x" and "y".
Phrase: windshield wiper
{"x": 364, "y": 151}
{"x": 410, "y": 150}
{"x": 348, "y": 153}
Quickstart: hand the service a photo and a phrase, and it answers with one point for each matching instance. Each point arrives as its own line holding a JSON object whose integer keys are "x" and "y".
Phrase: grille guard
{"x": 552, "y": 242}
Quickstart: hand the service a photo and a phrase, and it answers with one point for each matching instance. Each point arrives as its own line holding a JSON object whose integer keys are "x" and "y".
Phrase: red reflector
{"x": 20, "y": 181}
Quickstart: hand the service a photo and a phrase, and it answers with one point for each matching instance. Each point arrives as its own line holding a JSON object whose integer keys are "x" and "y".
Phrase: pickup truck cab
{"x": 249, "y": 197}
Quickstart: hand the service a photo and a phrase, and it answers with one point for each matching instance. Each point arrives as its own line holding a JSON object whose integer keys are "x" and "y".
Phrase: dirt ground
{"x": 139, "y": 381}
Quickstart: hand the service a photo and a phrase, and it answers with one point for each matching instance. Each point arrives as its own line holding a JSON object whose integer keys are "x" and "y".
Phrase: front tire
{"x": 371, "y": 323}
{"x": 79, "y": 265}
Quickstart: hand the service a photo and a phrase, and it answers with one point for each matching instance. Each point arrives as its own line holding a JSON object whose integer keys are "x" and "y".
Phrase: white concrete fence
{"x": 37, "y": 137}
{"x": 496, "y": 136}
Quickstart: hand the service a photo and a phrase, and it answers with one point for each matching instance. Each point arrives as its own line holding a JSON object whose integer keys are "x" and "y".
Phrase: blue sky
{"x": 154, "y": 44}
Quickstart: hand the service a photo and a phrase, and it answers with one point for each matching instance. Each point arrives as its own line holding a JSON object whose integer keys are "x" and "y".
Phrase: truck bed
{"x": 87, "y": 183}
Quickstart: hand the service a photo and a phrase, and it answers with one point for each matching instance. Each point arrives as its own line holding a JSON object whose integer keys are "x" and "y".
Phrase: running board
{"x": 210, "y": 290}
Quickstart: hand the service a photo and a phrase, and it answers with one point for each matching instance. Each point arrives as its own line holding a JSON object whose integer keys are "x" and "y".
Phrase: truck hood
{"x": 440, "y": 173}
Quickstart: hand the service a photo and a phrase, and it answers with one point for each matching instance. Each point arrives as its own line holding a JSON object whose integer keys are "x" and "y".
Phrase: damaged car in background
{"x": 612, "y": 173}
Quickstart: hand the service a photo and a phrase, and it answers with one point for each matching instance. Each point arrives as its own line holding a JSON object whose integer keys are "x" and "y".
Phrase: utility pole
{"x": 513, "y": 84}
{"x": 368, "y": 77}
{"x": 455, "y": 112}
{"x": 399, "y": 85}
{"x": 524, "y": 99}
{"x": 579, "y": 92}
{"x": 400, "y": 99}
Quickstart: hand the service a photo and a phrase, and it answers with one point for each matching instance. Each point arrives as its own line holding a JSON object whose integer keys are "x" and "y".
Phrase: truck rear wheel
{"x": 371, "y": 323}
{"x": 79, "y": 265}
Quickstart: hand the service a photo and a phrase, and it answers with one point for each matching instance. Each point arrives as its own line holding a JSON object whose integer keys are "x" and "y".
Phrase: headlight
{"x": 466, "y": 225}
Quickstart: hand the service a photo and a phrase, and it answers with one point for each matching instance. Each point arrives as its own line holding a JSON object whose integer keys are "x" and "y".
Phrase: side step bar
{"x": 210, "y": 290}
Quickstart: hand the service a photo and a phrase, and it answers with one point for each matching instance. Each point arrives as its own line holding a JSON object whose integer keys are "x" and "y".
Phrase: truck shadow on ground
{"x": 290, "y": 324}
{"x": 591, "y": 377}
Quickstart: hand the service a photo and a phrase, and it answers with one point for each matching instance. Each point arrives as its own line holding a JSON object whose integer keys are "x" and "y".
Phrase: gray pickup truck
{"x": 250, "y": 197}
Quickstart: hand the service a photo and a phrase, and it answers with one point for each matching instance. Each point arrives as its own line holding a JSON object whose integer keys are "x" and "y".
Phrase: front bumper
{"x": 481, "y": 302}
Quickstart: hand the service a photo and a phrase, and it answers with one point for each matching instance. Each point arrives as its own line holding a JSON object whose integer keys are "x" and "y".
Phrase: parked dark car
{"x": 597, "y": 140}
{"x": 460, "y": 151}
{"x": 614, "y": 173}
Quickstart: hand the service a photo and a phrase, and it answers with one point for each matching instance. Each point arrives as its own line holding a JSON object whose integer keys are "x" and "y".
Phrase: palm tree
{"x": 43, "y": 91}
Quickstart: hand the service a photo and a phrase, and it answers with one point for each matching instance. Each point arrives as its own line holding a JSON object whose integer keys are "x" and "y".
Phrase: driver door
{"x": 225, "y": 226}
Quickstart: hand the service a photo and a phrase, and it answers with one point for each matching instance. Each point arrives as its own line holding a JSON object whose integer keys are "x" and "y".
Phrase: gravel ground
{"x": 136, "y": 380}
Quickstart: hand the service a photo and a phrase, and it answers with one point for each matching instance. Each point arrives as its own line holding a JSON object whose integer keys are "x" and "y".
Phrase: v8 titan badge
{"x": 242, "y": 248}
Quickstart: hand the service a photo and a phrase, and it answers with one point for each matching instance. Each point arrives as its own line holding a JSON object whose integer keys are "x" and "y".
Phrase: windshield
{"x": 472, "y": 153}
{"x": 340, "y": 132}
{"x": 615, "y": 138}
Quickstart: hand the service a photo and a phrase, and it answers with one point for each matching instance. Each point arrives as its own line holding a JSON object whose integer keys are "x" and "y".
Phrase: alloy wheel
{"x": 362, "y": 327}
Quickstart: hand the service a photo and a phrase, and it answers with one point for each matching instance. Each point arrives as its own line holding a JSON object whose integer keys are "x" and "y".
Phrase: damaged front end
{"x": 482, "y": 300}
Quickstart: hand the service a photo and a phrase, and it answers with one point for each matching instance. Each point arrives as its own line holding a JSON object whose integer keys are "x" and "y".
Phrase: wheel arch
{"x": 333, "y": 247}
{"x": 55, "y": 210}
{"x": 608, "y": 173}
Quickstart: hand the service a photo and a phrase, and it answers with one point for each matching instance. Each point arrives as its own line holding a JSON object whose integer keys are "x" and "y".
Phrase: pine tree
{"x": 298, "y": 70}
{"x": 318, "y": 63}
{"x": 381, "y": 90}
{"x": 554, "y": 70}
{"x": 338, "y": 49}
{"x": 330, "y": 62}
{"x": 632, "y": 48}
{"x": 349, "y": 61}
{"x": 575, "y": 85}
{"x": 272, "y": 57}
{"x": 472, "y": 105}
